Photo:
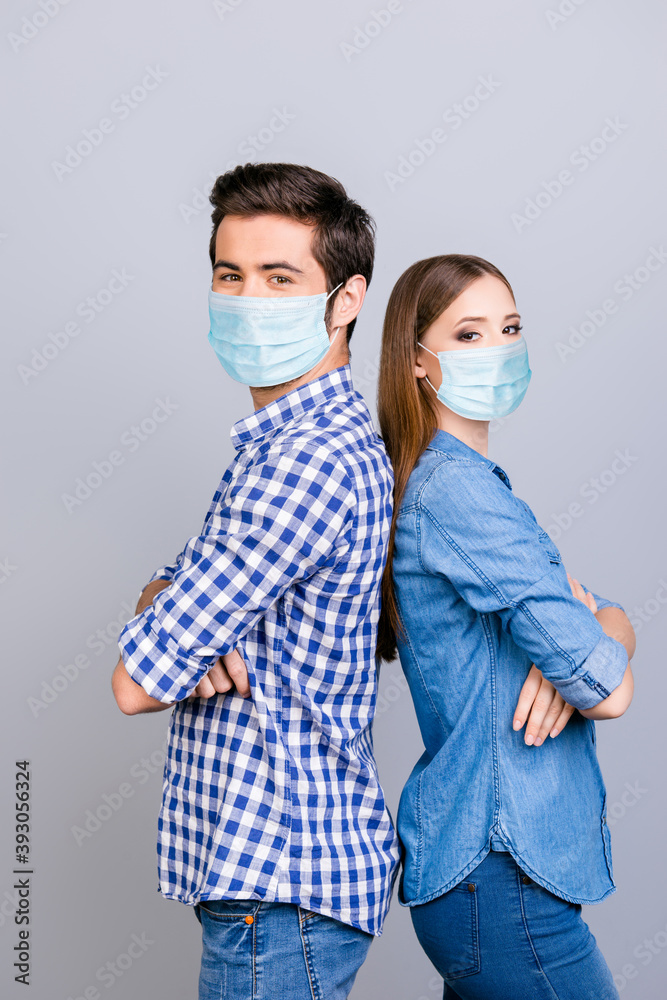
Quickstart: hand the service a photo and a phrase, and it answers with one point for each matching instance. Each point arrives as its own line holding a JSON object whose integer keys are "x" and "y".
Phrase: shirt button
{"x": 471, "y": 886}
{"x": 249, "y": 919}
{"x": 526, "y": 879}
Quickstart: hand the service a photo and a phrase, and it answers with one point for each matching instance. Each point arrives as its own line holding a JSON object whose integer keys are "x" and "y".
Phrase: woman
{"x": 504, "y": 833}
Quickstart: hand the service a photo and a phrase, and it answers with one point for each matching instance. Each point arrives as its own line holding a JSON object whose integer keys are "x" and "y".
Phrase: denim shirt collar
{"x": 291, "y": 406}
{"x": 446, "y": 443}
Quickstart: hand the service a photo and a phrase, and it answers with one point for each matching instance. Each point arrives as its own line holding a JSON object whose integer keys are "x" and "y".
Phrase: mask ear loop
{"x": 331, "y": 339}
{"x": 426, "y": 378}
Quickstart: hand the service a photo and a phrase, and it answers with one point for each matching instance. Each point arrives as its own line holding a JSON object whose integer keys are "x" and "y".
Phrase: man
{"x": 273, "y": 822}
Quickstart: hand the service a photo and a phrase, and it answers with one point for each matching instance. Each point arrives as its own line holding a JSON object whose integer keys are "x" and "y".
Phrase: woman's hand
{"x": 545, "y": 709}
{"x": 583, "y": 595}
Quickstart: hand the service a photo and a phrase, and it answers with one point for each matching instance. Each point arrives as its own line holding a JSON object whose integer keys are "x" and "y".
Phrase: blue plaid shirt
{"x": 276, "y": 797}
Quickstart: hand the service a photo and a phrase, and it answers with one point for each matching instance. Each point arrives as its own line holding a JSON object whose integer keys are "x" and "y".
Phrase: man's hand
{"x": 228, "y": 672}
{"x": 546, "y": 710}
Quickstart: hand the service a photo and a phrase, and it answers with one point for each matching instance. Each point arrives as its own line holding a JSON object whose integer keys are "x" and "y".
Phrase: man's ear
{"x": 348, "y": 301}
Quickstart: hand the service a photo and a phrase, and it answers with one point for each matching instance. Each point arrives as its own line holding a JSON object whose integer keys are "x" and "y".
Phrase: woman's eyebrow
{"x": 471, "y": 319}
{"x": 483, "y": 319}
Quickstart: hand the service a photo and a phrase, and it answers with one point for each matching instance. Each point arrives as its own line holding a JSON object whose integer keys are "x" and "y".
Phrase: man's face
{"x": 266, "y": 255}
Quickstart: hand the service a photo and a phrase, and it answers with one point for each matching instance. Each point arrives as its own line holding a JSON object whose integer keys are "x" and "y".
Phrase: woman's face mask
{"x": 483, "y": 383}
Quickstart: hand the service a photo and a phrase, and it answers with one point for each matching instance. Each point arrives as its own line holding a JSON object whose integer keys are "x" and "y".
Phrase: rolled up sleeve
{"x": 287, "y": 519}
{"x": 475, "y": 532}
{"x": 603, "y": 602}
{"x": 167, "y": 572}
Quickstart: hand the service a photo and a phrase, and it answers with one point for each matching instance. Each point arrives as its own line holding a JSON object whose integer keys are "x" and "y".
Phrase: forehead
{"x": 484, "y": 296}
{"x": 259, "y": 238}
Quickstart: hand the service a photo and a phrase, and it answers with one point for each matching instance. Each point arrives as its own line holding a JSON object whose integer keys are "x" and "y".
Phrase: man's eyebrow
{"x": 226, "y": 263}
{"x": 279, "y": 265}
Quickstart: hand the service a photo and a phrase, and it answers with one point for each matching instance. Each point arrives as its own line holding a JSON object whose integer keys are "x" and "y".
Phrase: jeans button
{"x": 471, "y": 886}
{"x": 249, "y": 919}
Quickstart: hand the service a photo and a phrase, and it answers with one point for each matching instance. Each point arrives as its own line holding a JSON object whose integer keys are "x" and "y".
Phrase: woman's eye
{"x": 515, "y": 328}
{"x": 468, "y": 336}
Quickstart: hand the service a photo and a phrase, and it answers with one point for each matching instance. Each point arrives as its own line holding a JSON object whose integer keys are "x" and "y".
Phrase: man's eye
{"x": 280, "y": 279}
{"x": 228, "y": 277}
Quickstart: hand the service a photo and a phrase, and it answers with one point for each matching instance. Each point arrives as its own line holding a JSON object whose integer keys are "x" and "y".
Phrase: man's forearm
{"x": 149, "y": 593}
{"x": 130, "y": 696}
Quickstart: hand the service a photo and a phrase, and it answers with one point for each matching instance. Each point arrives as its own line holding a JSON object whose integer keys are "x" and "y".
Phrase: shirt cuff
{"x": 164, "y": 573}
{"x": 155, "y": 662}
{"x": 602, "y": 602}
{"x": 600, "y": 673}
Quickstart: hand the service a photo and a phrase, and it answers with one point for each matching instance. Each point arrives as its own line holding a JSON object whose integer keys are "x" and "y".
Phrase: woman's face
{"x": 483, "y": 315}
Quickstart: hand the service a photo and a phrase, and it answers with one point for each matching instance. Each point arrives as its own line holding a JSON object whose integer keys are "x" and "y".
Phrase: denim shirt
{"x": 483, "y": 594}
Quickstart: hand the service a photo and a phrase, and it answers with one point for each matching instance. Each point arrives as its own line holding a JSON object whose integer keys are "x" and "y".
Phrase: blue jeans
{"x": 276, "y": 951}
{"x": 499, "y": 936}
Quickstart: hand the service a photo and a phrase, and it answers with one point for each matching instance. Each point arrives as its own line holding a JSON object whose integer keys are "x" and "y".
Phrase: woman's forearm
{"x": 616, "y": 624}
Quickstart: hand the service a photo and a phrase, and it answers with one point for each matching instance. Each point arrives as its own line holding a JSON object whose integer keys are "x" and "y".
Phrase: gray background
{"x": 137, "y": 204}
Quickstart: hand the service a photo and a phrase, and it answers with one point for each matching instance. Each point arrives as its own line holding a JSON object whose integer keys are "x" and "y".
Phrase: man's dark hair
{"x": 344, "y": 233}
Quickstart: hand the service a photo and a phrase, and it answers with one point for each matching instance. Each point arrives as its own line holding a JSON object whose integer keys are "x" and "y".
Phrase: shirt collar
{"x": 444, "y": 441}
{"x": 291, "y": 406}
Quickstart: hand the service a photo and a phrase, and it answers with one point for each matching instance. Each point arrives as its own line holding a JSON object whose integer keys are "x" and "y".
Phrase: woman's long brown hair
{"x": 407, "y": 408}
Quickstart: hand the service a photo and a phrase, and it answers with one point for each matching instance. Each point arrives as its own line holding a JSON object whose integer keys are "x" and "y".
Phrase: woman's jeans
{"x": 276, "y": 951}
{"x": 499, "y": 936}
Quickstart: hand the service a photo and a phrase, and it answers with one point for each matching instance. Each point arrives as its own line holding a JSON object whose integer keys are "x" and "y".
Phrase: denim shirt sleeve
{"x": 602, "y": 602}
{"x": 476, "y": 533}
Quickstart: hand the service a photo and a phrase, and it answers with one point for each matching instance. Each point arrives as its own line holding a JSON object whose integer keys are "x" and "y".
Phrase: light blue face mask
{"x": 267, "y": 341}
{"x": 483, "y": 383}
